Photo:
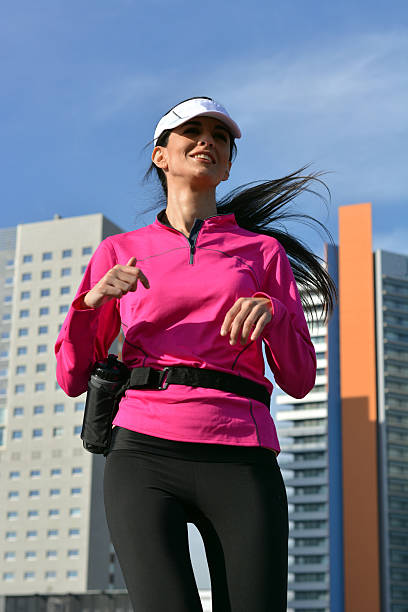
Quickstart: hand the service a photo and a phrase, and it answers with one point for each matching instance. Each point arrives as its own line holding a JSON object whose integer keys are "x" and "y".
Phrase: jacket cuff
{"x": 278, "y": 309}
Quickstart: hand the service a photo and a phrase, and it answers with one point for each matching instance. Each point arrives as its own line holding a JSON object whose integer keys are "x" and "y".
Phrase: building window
{"x": 30, "y": 554}
{"x": 45, "y": 292}
{"x": 63, "y": 308}
{"x": 55, "y": 492}
{"x": 50, "y": 574}
{"x": 27, "y": 258}
{"x": 6, "y": 317}
{"x": 79, "y": 406}
{"x": 33, "y": 514}
{"x": 55, "y": 472}
{"x": 44, "y": 310}
{"x": 53, "y": 512}
{"x": 58, "y": 408}
{"x": 3, "y": 373}
{"x": 46, "y": 274}
{"x": 35, "y": 473}
{"x": 10, "y": 555}
{"x": 21, "y": 369}
{"x": 7, "y": 576}
{"x": 65, "y": 290}
{"x": 76, "y": 491}
{"x": 34, "y": 493}
{"x": 13, "y": 475}
{"x": 31, "y": 534}
{"x": 72, "y": 574}
{"x": 13, "y": 495}
{"x": 23, "y": 331}
{"x": 41, "y": 348}
{"x": 65, "y": 271}
{"x": 40, "y": 367}
{"x": 76, "y": 471}
{"x": 77, "y": 429}
{"x": 73, "y": 553}
{"x": 38, "y": 409}
{"x": 87, "y": 250}
{"x": 19, "y": 388}
{"x": 51, "y": 554}
{"x": 17, "y": 434}
{"x": 29, "y": 575}
{"x": 83, "y": 269}
{"x": 67, "y": 253}
{"x": 26, "y": 277}
{"x": 47, "y": 256}
{"x": 18, "y": 411}
{"x": 75, "y": 512}
{"x": 37, "y": 433}
{"x": 22, "y": 350}
{"x": 25, "y": 295}
{"x": 43, "y": 329}
{"x": 7, "y": 299}
{"x": 12, "y": 515}
{"x": 57, "y": 432}
{"x": 24, "y": 313}
{"x": 5, "y": 335}
{"x": 40, "y": 386}
{"x": 52, "y": 533}
{"x": 73, "y": 533}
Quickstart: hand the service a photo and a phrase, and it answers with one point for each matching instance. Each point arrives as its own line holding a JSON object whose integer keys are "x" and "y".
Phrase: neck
{"x": 185, "y": 205}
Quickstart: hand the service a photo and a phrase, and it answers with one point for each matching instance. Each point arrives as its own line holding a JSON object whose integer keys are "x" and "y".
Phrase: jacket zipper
{"x": 192, "y": 239}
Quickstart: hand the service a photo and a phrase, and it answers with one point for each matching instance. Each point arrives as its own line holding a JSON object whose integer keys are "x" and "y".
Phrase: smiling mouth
{"x": 204, "y": 157}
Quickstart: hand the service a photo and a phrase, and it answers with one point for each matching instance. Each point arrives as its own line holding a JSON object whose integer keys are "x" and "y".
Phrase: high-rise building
{"x": 53, "y": 534}
{"x": 345, "y": 445}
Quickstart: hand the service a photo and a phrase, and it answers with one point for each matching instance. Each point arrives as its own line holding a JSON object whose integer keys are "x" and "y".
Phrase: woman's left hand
{"x": 247, "y": 313}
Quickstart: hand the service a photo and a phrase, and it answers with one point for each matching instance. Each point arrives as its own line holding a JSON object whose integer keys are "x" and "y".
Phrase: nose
{"x": 206, "y": 138}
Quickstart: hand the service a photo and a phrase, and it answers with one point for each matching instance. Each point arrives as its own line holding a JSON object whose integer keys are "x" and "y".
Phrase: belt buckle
{"x": 163, "y": 376}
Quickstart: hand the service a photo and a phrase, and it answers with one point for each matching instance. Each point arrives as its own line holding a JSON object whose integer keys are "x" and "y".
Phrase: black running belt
{"x": 148, "y": 378}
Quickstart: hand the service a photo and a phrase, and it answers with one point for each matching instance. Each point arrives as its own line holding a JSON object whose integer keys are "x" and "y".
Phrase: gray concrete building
{"x": 53, "y": 534}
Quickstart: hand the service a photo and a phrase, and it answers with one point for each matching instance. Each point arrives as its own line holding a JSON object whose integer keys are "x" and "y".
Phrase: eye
{"x": 190, "y": 129}
{"x": 221, "y": 136}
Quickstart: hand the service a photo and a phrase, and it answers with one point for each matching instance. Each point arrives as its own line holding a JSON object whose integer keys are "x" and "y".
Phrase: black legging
{"x": 236, "y": 498}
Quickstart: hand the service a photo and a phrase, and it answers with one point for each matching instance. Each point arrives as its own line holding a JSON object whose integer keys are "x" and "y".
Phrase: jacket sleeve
{"x": 288, "y": 347}
{"x": 87, "y": 334}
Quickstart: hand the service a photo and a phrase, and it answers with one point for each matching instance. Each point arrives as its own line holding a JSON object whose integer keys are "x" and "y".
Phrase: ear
{"x": 159, "y": 157}
{"x": 227, "y": 172}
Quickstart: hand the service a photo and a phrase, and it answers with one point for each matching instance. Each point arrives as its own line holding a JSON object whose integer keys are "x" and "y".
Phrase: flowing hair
{"x": 262, "y": 207}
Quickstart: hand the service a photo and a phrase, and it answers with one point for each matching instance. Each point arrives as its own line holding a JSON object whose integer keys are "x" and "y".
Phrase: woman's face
{"x": 197, "y": 151}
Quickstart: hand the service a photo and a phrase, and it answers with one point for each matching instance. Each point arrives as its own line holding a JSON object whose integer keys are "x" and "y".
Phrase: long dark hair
{"x": 262, "y": 207}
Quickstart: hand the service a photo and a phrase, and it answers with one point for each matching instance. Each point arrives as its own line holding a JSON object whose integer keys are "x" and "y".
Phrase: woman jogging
{"x": 196, "y": 293}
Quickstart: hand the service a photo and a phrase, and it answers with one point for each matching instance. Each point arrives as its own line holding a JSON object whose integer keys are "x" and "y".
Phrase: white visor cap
{"x": 194, "y": 108}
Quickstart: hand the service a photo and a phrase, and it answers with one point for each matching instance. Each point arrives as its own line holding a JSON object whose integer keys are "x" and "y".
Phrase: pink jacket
{"x": 193, "y": 283}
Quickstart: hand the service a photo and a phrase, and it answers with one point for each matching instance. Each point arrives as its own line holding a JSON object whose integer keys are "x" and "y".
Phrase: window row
{"x": 32, "y": 534}
{"x": 28, "y": 276}
{"x": 22, "y": 369}
{"x": 11, "y": 555}
{"x": 43, "y": 311}
{"x": 48, "y": 255}
{"x": 12, "y": 515}
{"x": 45, "y": 292}
{"x": 24, "y": 331}
{"x": 36, "y": 493}
{"x": 22, "y": 350}
{"x": 36, "y": 473}
{"x": 38, "y": 432}
{"x": 48, "y": 575}
{"x": 39, "y": 409}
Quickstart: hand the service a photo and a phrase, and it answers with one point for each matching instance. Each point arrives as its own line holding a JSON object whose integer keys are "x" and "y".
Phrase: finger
{"x": 248, "y": 324}
{"x": 229, "y": 317}
{"x": 132, "y": 261}
{"x": 260, "y": 324}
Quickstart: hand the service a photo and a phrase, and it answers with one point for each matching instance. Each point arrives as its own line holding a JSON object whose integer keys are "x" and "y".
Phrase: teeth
{"x": 203, "y": 156}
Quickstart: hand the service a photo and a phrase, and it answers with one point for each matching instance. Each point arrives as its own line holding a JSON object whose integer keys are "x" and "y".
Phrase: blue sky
{"x": 84, "y": 83}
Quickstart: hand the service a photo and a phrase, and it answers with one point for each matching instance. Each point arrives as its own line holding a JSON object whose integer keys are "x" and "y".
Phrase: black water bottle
{"x": 105, "y": 388}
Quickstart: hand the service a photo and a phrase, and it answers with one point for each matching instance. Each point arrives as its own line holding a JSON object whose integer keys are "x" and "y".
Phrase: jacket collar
{"x": 221, "y": 219}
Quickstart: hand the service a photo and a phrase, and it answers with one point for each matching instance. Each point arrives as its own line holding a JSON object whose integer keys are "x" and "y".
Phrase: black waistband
{"x": 148, "y": 378}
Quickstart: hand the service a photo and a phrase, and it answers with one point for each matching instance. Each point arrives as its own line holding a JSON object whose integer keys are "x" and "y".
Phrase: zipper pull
{"x": 192, "y": 251}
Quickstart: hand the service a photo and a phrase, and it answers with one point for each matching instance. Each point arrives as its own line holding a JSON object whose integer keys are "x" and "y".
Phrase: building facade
{"x": 345, "y": 445}
{"x": 53, "y": 533}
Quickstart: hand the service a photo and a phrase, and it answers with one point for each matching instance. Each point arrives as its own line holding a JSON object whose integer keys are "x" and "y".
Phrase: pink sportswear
{"x": 193, "y": 283}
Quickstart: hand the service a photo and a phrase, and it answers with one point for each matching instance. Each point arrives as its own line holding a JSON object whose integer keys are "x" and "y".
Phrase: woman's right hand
{"x": 116, "y": 283}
